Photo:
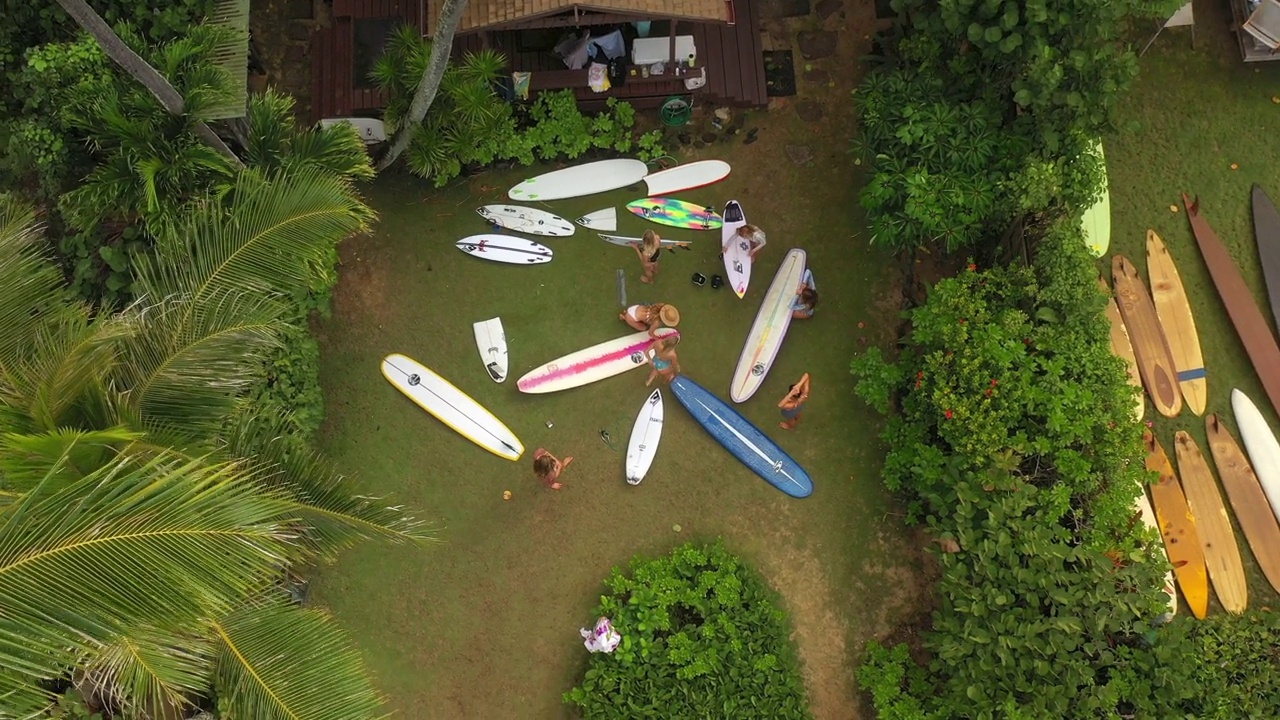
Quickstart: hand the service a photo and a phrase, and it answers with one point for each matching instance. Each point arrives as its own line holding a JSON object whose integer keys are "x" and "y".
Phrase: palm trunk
{"x": 141, "y": 70}
{"x": 441, "y": 47}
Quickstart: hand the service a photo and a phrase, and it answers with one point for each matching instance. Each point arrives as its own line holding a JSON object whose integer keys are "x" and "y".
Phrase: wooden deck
{"x": 730, "y": 54}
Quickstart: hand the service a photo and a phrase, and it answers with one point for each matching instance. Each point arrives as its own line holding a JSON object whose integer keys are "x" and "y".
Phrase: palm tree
{"x": 441, "y": 46}
{"x": 144, "y": 520}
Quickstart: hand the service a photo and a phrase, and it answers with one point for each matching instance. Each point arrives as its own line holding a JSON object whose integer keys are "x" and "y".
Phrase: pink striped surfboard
{"x": 594, "y": 363}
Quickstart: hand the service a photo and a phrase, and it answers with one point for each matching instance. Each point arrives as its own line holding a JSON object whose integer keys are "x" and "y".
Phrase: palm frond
{"x": 189, "y": 361}
{"x": 30, "y": 459}
{"x": 337, "y": 148}
{"x": 280, "y": 662}
{"x": 275, "y": 230}
{"x": 332, "y": 513}
{"x": 161, "y": 542}
{"x": 152, "y": 668}
{"x": 31, "y": 288}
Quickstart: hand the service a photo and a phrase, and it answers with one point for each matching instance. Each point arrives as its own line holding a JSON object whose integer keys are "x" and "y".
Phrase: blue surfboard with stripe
{"x": 744, "y": 440}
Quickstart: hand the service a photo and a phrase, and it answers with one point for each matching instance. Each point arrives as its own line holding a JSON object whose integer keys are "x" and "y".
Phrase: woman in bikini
{"x": 664, "y": 360}
{"x": 650, "y": 251}
{"x": 548, "y": 468}
{"x": 793, "y": 402}
{"x": 806, "y": 298}
{"x": 650, "y": 317}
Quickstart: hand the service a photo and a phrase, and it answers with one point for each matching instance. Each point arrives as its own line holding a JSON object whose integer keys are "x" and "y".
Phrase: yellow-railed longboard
{"x": 1155, "y": 362}
{"x": 1178, "y": 529}
{"x": 1179, "y": 326}
{"x": 1122, "y": 348}
{"x": 1221, "y": 554}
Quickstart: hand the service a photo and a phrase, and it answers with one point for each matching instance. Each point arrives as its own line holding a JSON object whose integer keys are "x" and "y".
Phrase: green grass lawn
{"x": 484, "y": 625}
{"x": 1189, "y": 117}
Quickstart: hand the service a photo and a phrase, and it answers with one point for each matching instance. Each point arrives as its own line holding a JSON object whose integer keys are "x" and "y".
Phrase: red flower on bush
{"x": 947, "y": 413}
{"x": 973, "y": 267}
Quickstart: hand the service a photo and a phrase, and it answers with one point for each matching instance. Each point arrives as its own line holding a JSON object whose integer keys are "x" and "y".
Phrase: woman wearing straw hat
{"x": 650, "y": 317}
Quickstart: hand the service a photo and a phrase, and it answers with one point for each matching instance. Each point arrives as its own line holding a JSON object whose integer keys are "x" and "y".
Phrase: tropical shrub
{"x": 1237, "y": 665}
{"x": 701, "y": 637}
{"x": 470, "y": 124}
{"x": 986, "y": 114}
{"x": 1014, "y": 437}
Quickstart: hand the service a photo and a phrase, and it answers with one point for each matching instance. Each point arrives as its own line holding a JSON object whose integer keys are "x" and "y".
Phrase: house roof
{"x": 486, "y": 13}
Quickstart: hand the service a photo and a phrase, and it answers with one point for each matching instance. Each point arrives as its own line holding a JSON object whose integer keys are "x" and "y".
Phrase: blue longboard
{"x": 744, "y": 440}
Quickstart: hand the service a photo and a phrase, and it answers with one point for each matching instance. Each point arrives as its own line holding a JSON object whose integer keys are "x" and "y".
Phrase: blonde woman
{"x": 650, "y": 251}
{"x": 650, "y": 317}
{"x": 547, "y": 468}
{"x": 664, "y": 361}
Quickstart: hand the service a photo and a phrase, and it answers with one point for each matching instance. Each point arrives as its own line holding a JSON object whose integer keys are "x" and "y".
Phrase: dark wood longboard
{"x": 1266, "y": 229}
{"x": 1178, "y": 528}
{"x": 1253, "y": 512}
{"x": 1248, "y": 320}
{"x": 1155, "y": 361}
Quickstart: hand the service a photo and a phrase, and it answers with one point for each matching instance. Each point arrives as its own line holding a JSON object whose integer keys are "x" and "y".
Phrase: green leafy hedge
{"x": 701, "y": 638}
{"x": 1014, "y": 436}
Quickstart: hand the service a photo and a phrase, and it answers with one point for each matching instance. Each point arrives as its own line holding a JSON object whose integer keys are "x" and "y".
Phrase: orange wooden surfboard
{"x": 1221, "y": 554}
{"x": 1253, "y": 512}
{"x": 1178, "y": 528}
{"x": 1155, "y": 362}
{"x": 1178, "y": 324}
{"x": 1123, "y": 349}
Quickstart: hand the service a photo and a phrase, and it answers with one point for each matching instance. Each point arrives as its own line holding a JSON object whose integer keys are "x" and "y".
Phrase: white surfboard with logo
{"x": 645, "y": 434}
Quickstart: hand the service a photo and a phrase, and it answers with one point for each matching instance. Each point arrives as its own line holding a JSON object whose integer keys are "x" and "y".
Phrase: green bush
{"x": 1014, "y": 437}
{"x": 1238, "y": 668}
{"x": 701, "y": 638}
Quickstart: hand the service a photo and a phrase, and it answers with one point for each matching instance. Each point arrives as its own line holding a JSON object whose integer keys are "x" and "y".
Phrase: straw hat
{"x": 669, "y": 315}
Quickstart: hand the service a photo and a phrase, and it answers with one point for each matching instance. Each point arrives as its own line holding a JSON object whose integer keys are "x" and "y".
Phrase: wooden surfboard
{"x": 1247, "y": 499}
{"x": 1155, "y": 362}
{"x": 1122, "y": 348}
{"x": 1221, "y": 554}
{"x": 1178, "y": 529}
{"x": 1248, "y": 320}
{"x": 1179, "y": 326}
{"x": 1266, "y": 230}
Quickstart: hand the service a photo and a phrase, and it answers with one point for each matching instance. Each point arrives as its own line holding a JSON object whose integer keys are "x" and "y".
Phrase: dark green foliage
{"x": 471, "y": 125}
{"x": 1238, "y": 668}
{"x": 986, "y": 113}
{"x": 894, "y": 682}
{"x": 1015, "y": 438}
{"x": 701, "y": 638}
{"x": 289, "y": 387}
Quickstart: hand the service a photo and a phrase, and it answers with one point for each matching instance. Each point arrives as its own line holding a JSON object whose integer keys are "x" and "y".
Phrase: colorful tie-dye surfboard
{"x": 677, "y": 213}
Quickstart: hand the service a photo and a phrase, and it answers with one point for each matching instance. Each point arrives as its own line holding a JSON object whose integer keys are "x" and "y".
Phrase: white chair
{"x": 1264, "y": 24}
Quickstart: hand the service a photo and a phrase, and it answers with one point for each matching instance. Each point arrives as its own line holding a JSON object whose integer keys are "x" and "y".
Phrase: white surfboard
{"x": 580, "y": 180}
{"x": 591, "y": 364}
{"x": 451, "y": 406}
{"x": 505, "y": 249}
{"x": 625, "y": 241}
{"x": 686, "y": 177}
{"x": 1260, "y": 442}
{"x": 645, "y": 434}
{"x": 605, "y": 220}
{"x": 371, "y": 130}
{"x": 736, "y": 250}
{"x": 1149, "y": 519}
{"x": 767, "y": 332}
{"x": 527, "y": 220}
{"x": 491, "y": 341}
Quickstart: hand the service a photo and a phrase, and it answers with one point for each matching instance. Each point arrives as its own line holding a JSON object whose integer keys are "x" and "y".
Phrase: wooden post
{"x": 671, "y": 45}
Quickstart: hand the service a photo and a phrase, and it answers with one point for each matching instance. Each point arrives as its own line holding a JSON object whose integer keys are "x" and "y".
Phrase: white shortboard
{"x": 1149, "y": 519}
{"x": 645, "y": 434}
{"x": 491, "y": 341}
{"x": 686, "y": 177}
{"x": 505, "y": 249}
{"x": 769, "y": 329}
{"x": 736, "y": 250}
{"x": 1260, "y": 442}
{"x": 625, "y": 241}
{"x": 591, "y": 364}
{"x": 371, "y": 130}
{"x": 527, "y": 220}
{"x": 451, "y": 406}
{"x": 579, "y": 180}
{"x": 605, "y": 220}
